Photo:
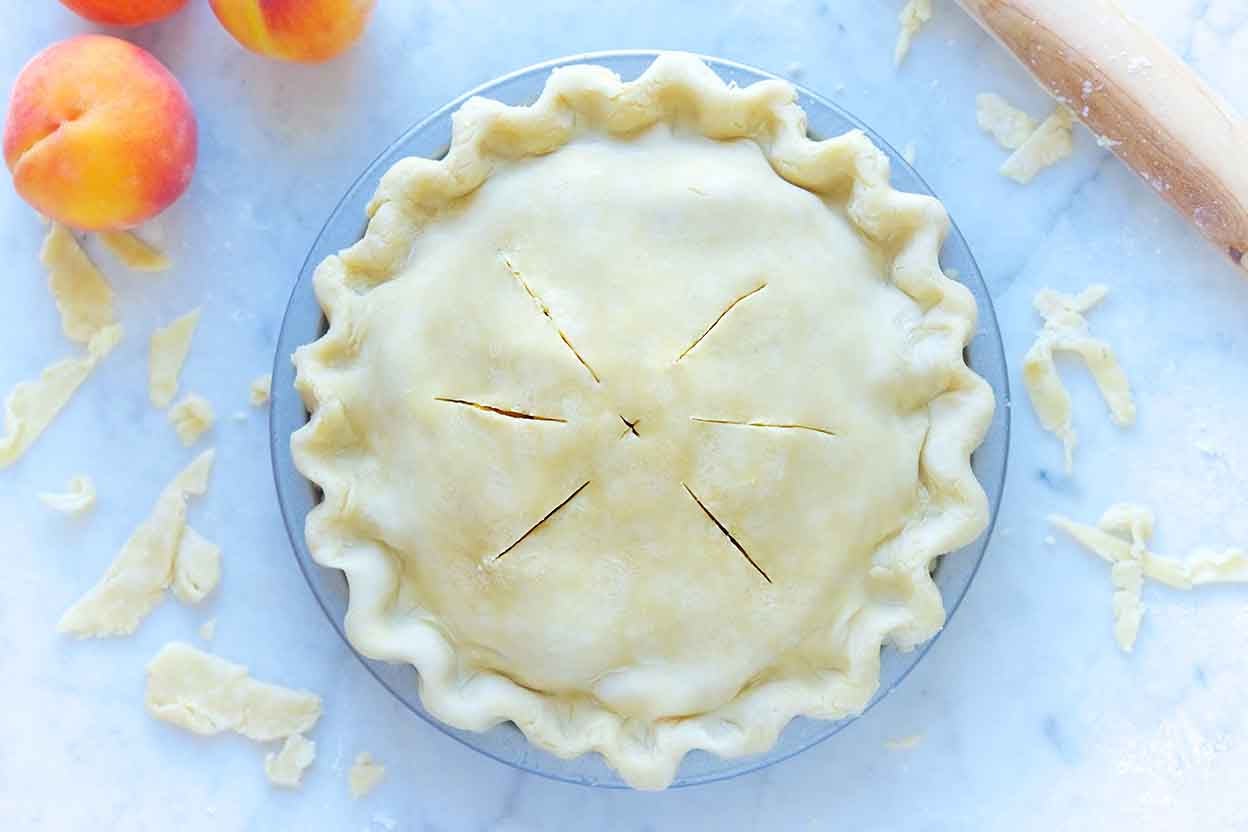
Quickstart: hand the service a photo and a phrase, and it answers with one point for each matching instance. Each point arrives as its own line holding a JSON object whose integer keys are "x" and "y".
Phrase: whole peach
{"x": 294, "y": 30}
{"x": 124, "y": 12}
{"x": 99, "y": 135}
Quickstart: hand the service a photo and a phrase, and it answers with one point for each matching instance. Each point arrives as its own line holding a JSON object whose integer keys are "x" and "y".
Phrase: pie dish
{"x": 642, "y": 418}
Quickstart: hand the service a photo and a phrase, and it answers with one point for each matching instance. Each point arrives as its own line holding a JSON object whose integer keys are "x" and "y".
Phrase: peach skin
{"x": 124, "y": 12}
{"x": 294, "y": 30}
{"x": 99, "y": 135}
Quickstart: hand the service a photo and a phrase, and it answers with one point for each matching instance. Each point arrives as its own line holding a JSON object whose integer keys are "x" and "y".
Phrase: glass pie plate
{"x": 304, "y": 322}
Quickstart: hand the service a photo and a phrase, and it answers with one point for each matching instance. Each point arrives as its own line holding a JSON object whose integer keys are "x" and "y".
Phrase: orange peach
{"x": 294, "y": 30}
{"x": 99, "y": 135}
{"x": 124, "y": 12}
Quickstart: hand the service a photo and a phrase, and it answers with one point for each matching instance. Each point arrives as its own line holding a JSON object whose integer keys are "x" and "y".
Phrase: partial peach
{"x": 124, "y": 12}
{"x": 99, "y": 135}
{"x": 294, "y": 30}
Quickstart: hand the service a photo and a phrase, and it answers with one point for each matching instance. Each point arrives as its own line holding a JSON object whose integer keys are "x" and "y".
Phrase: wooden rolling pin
{"x": 1144, "y": 102}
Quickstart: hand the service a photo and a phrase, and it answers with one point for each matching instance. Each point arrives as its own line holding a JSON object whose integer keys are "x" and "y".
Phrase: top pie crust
{"x": 718, "y": 357}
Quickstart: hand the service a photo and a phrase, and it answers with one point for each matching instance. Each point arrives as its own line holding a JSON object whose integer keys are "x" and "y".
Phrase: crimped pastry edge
{"x": 676, "y": 87}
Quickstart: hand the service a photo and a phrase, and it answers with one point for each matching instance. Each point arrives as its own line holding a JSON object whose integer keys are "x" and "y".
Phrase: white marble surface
{"x": 1030, "y": 716}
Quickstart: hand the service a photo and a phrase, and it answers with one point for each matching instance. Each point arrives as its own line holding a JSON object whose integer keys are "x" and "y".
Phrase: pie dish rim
{"x": 296, "y": 496}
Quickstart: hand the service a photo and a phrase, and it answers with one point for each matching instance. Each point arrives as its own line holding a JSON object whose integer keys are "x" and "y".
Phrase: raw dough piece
{"x": 912, "y": 17}
{"x": 687, "y": 394}
{"x": 208, "y": 630}
{"x": 135, "y": 581}
{"x": 1052, "y": 142}
{"x": 1010, "y": 126}
{"x": 1128, "y": 579}
{"x": 169, "y": 347}
{"x": 904, "y": 743}
{"x": 259, "y": 393}
{"x": 32, "y": 405}
{"x": 206, "y": 694}
{"x": 197, "y": 568}
{"x": 79, "y": 498}
{"x": 285, "y": 768}
{"x": 1121, "y": 537}
{"x": 133, "y": 252}
{"x": 83, "y": 296}
{"x": 365, "y": 774}
{"x": 1127, "y": 575}
{"x": 1066, "y": 330}
{"x": 191, "y": 417}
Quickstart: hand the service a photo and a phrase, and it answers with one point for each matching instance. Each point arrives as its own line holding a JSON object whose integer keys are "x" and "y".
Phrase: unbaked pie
{"x": 642, "y": 418}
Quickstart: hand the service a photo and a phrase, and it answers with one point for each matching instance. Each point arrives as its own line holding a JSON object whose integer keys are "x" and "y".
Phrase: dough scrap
{"x": 1010, "y": 126}
{"x": 260, "y": 387}
{"x": 135, "y": 581}
{"x": 1066, "y": 330}
{"x": 364, "y": 775}
{"x": 133, "y": 252}
{"x": 1052, "y": 141}
{"x": 913, "y": 15}
{"x": 77, "y": 499}
{"x": 1128, "y": 579}
{"x": 206, "y": 694}
{"x": 197, "y": 568}
{"x": 191, "y": 418}
{"x": 82, "y": 295}
{"x": 169, "y": 347}
{"x": 285, "y": 767}
{"x": 1121, "y": 538}
{"x": 32, "y": 405}
{"x": 208, "y": 630}
{"x": 904, "y": 743}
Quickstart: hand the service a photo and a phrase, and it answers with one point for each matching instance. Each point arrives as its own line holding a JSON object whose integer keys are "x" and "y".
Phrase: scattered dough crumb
{"x": 1128, "y": 580}
{"x": 1121, "y": 537}
{"x": 169, "y": 347}
{"x": 1010, "y": 126}
{"x": 385, "y": 822}
{"x": 83, "y": 296}
{"x": 208, "y": 630}
{"x": 135, "y": 581}
{"x": 794, "y": 70}
{"x": 1050, "y": 540}
{"x": 1066, "y": 330}
{"x": 260, "y": 387}
{"x": 1208, "y": 447}
{"x": 32, "y": 405}
{"x": 364, "y": 775}
{"x": 191, "y": 418}
{"x": 79, "y": 497}
{"x": 904, "y": 743}
{"x": 912, "y": 17}
{"x": 133, "y": 252}
{"x": 1052, "y": 142}
{"x": 206, "y": 694}
{"x": 909, "y": 152}
{"x": 286, "y": 767}
{"x": 197, "y": 567}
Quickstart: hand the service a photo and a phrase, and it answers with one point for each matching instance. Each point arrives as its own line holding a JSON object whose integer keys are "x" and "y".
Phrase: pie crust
{"x": 642, "y": 418}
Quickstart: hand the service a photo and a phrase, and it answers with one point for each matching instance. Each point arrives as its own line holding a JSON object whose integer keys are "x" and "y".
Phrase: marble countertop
{"x": 1030, "y": 717}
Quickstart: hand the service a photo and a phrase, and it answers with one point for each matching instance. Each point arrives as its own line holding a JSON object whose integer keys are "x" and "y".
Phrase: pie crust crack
{"x": 642, "y": 418}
